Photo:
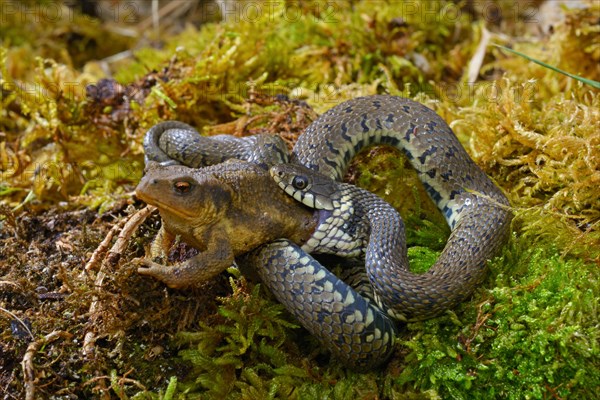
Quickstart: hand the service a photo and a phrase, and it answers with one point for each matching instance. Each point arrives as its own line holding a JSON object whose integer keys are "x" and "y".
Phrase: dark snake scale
{"x": 354, "y": 222}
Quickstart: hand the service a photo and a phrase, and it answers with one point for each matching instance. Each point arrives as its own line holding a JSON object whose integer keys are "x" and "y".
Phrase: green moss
{"x": 243, "y": 353}
{"x": 386, "y": 172}
{"x": 532, "y": 335}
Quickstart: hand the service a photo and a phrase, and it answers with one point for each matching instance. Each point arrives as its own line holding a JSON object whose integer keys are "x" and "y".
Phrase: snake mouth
{"x": 322, "y": 216}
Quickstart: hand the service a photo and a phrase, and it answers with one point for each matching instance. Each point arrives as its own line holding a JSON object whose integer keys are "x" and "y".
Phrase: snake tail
{"x": 174, "y": 142}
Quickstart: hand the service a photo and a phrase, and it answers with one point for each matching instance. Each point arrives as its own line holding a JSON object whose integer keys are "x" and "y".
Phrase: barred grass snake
{"x": 355, "y": 222}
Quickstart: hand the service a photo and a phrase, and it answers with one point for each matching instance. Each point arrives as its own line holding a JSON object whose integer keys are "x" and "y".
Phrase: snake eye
{"x": 182, "y": 187}
{"x": 300, "y": 182}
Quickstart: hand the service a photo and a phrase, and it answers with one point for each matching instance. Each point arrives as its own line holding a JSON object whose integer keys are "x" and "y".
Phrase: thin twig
{"x": 103, "y": 246}
{"x": 27, "y": 363}
{"x": 128, "y": 227}
{"x": 20, "y": 321}
{"x": 128, "y": 230}
{"x": 176, "y": 8}
{"x": 478, "y": 56}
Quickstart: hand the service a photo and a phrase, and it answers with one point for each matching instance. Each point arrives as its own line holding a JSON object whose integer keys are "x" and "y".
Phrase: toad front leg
{"x": 217, "y": 257}
{"x": 161, "y": 244}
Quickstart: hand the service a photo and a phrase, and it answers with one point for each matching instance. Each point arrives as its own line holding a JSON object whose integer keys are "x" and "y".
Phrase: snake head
{"x": 306, "y": 186}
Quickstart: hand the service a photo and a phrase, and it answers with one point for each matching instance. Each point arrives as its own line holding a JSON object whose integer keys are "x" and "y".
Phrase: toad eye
{"x": 300, "y": 182}
{"x": 182, "y": 187}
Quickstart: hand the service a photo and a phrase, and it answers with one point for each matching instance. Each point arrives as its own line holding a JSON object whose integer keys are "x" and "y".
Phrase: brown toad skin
{"x": 224, "y": 211}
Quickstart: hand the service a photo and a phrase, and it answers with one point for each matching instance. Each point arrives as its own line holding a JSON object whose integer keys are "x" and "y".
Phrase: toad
{"x": 224, "y": 210}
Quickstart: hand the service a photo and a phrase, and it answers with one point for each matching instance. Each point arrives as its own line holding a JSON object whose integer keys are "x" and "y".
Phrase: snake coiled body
{"x": 475, "y": 209}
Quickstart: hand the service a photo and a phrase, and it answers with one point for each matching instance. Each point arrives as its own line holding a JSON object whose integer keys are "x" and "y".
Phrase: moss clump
{"x": 242, "y": 352}
{"x": 545, "y": 153}
{"x": 532, "y": 335}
